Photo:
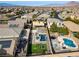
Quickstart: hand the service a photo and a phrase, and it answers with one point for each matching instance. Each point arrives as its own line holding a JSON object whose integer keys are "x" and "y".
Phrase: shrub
{"x": 61, "y": 30}
{"x": 77, "y": 35}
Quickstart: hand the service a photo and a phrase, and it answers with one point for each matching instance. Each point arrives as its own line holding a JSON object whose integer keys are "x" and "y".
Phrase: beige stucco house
{"x": 9, "y": 39}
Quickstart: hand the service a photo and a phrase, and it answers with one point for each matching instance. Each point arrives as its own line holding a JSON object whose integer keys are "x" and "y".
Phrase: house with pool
{"x": 40, "y": 41}
{"x": 50, "y": 21}
{"x": 39, "y": 37}
{"x": 8, "y": 40}
{"x": 63, "y": 44}
{"x": 74, "y": 30}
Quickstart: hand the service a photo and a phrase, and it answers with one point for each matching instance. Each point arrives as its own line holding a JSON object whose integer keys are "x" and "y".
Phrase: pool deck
{"x": 74, "y": 38}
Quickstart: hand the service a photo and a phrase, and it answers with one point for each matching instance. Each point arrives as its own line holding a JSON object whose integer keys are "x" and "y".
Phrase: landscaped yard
{"x": 61, "y": 30}
{"x": 39, "y": 48}
{"x": 76, "y": 34}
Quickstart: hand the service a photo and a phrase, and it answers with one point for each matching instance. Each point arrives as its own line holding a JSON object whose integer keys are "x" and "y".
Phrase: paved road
{"x": 56, "y": 16}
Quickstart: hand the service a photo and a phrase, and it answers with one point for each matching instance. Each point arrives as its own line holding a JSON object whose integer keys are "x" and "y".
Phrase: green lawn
{"x": 39, "y": 48}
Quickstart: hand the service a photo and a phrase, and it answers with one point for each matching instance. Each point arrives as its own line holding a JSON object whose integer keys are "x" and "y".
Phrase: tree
{"x": 52, "y": 9}
{"x": 9, "y": 11}
{"x": 20, "y": 12}
{"x": 8, "y": 15}
{"x": 33, "y": 10}
{"x": 53, "y": 13}
{"x": 77, "y": 35}
{"x": 28, "y": 11}
{"x": 61, "y": 30}
{"x": 1, "y": 8}
{"x": 34, "y": 16}
{"x": 53, "y": 28}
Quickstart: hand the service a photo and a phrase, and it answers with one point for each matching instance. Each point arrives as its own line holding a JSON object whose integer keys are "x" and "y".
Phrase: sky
{"x": 34, "y": 3}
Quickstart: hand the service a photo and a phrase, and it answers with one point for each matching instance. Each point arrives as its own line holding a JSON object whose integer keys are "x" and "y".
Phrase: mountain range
{"x": 6, "y": 4}
{"x": 71, "y": 3}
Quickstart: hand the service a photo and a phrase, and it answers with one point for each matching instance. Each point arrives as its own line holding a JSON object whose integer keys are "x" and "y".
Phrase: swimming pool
{"x": 42, "y": 37}
{"x": 69, "y": 42}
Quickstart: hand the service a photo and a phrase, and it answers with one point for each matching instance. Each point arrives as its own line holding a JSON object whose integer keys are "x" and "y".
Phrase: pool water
{"x": 69, "y": 42}
{"x": 43, "y": 37}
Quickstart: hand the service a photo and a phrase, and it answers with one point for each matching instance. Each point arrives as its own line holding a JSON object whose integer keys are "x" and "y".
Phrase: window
{"x": 6, "y": 44}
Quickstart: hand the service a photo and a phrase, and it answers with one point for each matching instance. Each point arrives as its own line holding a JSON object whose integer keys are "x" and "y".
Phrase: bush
{"x": 53, "y": 13}
{"x": 77, "y": 35}
{"x": 53, "y": 28}
{"x": 63, "y": 31}
{"x": 8, "y": 15}
{"x": 34, "y": 16}
{"x": 20, "y": 12}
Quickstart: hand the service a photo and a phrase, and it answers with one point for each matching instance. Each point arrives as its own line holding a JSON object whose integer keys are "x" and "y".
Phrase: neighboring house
{"x": 35, "y": 12}
{"x": 3, "y": 21}
{"x": 9, "y": 39}
{"x": 44, "y": 16}
{"x": 38, "y": 23}
{"x": 27, "y": 17}
{"x": 39, "y": 37}
{"x": 71, "y": 26}
{"x": 17, "y": 23}
{"x": 64, "y": 15}
{"x": 57, "y": 21}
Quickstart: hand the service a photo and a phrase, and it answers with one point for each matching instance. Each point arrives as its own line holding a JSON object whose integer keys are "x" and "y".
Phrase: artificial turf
{"x": 39, "y": 48}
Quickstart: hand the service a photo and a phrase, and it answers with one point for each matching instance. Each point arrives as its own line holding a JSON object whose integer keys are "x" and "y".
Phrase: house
{"x": 17, "y": 23}
{"x": 3, "y": 21}
{"x": 9, "y": 39}
{"x": 44, "y": 16}
{"x": 38, "y": 23}
{"x": 71, "y": 26}
{"x": 26, "y": 16}
{"x": 57, "y": 21}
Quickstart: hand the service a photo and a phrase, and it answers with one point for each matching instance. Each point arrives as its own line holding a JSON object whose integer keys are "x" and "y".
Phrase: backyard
{"x": 39, "y": 48}
{"x": 61, "y": 30}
